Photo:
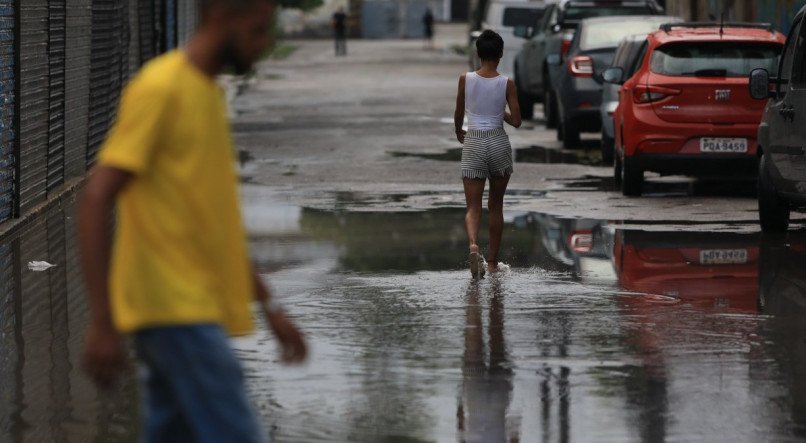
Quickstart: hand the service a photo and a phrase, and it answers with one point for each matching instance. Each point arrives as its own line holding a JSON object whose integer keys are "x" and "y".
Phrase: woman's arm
{"x": 513, "y": 117}
{"x": 459, "y": 113}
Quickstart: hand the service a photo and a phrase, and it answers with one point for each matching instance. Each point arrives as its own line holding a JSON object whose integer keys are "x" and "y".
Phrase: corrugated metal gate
{"x": 77, "y": 75}
{"x": 148, "y": 34}
{"x": 33, "y": 101}
{"x": 102, "y": 56}
{"x": 7, "y": 109}
{"x": 134, "y": 36}
{"x": 57, "y": 17}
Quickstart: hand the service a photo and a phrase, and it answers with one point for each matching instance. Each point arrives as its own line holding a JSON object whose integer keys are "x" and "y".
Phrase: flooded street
{"x": 596, "y": 334}
{"x": 664, "y": 318}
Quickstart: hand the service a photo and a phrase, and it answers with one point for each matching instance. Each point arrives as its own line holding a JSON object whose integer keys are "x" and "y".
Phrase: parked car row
{"x": 707, "y": 100}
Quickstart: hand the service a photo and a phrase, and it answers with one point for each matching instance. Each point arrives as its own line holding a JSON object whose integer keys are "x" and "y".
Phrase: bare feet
{"x": 477, "y": 263}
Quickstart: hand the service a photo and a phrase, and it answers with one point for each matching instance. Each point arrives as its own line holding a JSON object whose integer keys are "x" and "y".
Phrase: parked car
{"x": 687, "y": 110}
{"x": 578, "y": 87}
{"x": 782, "y": 165}
{"x": 551, "y": 37}
{"x": 503, "y": 16}
{"x": 627, "y": 58}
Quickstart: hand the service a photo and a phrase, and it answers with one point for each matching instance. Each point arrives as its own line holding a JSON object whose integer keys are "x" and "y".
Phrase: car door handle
{"x": 788, "y": 113}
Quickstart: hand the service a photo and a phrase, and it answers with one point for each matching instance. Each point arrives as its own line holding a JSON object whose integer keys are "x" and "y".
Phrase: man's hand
{"x": 292, "y": 342}
{"x": 104, "y": 355}
{"x": 460, "y": 135}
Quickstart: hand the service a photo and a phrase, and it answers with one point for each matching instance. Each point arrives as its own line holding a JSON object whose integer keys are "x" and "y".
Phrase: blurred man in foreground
{"x": 177, "y": 277}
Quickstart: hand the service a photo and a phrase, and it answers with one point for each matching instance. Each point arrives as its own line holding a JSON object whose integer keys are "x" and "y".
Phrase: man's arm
{"x": 292, "y": 342}
{"x": 104, "y": 354}
{"x": 459, "y": 113}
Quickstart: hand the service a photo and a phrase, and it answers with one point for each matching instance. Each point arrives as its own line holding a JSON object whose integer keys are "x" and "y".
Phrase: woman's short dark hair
{"x": 490, "y": 45}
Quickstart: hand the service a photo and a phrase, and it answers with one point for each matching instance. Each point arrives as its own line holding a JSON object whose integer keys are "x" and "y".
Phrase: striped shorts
{"x": 486, "y": 153}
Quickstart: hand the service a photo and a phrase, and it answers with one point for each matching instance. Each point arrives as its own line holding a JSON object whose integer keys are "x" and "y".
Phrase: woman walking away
{"x": 487, "y": 155}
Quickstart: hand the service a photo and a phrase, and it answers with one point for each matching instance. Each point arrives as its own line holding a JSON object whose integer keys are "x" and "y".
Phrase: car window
{"x": 607, "y": 34}
{"x": 799, "y": 59}
{"x": 714, "y": 59}
{"x": 550, "y": 19}
{"x": 637, "y": 59}
{"x": 618, "y": 59}
{"x": 789, "y": 54}
{"x": 575, "y": 14}
{"x": 514, "y": 17}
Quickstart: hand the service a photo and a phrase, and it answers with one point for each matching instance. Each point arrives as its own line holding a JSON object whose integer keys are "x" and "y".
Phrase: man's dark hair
{"x": 490, "y": 45}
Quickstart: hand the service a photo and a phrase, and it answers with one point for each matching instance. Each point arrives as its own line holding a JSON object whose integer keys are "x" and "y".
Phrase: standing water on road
{"x": 597, "y": 333}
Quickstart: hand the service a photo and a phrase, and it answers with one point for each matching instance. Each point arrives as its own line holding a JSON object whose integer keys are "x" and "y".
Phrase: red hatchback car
{"x": 687, "y": 109}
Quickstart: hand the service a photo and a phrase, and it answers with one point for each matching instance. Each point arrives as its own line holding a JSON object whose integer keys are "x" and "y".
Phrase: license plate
{"x": 723, "y": 256}
{"x": 713, "y": 144}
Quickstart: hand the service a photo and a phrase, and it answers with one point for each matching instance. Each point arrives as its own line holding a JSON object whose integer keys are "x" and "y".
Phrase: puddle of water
{"x": 532, "y": 154}
{"x": 597, "y": 333}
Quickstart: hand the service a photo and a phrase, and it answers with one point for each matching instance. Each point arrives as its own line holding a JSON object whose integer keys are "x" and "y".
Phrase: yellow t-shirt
{"x": 180, "y": 254}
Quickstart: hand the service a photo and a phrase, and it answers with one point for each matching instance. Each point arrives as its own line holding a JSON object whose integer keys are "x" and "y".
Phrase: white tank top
{"x": 485, "y": 101}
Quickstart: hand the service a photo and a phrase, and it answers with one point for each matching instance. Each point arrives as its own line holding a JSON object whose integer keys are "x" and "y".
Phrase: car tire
{"x": 549, "y": 108}
{"x": 571, "y": 134}
{"x": 632, "y": 178}
{"x": 608, "y": 146}
{"x": 617, "y": 172}
{"x": 773, "y": 211}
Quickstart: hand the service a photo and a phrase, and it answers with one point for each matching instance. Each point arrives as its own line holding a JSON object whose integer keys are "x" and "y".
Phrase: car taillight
{"x": 568, "y": 38}
{"x": 581, "y": 66}
{"x": 649, "y": 94}
{"x": 581, "y": 241}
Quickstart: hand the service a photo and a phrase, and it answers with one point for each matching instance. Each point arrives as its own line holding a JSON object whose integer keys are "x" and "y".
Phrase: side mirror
{"x": 613, "y": 75}
{"x": 553, "y": 59}
{"x": 556, "y": 28}
{"x": 760, "y": 84}
{"x": 475, "y": 35}
{"x": 524, "y": 32}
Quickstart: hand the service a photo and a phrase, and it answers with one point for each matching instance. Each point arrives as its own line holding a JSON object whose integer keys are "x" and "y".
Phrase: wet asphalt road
{"x": 666, "y": 318}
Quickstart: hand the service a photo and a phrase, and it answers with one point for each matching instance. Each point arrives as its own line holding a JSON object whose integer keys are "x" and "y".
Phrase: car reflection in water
{"x": 706, "y": 270}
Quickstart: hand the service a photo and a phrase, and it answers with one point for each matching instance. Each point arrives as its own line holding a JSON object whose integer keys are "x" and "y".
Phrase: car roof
{"x": 622, "y": 18}
{"x": 710, "y": 33}
{"x": 594, "y": 3}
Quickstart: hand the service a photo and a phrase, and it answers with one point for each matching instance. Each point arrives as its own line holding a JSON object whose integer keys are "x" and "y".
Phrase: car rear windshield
{"x": 609, "y": 34}
{"x": 715, "y": 59}
{"x": 514, "y": 17}
{"x": 575, "y": 14}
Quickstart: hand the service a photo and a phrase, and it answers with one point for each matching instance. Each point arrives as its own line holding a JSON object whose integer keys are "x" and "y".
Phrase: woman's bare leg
{"x": 498, "y": 187}
{"x": 474, "y": 191}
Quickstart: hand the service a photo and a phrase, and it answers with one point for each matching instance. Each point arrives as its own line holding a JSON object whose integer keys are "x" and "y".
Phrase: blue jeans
{"x": 193, "y": 389}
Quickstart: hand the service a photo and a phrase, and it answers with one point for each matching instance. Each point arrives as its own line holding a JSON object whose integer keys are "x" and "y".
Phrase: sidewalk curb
{"x": 15, "y": 225}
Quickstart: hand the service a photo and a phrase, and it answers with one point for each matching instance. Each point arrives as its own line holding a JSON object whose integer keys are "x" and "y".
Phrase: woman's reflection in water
{"x": 486, "y": 386}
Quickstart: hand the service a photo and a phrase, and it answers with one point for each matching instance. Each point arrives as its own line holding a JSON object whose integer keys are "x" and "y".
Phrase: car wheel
{"x": 571, "y": 134}
{"x": 632, "y": 178}
{"x": 549, "y": 108}
{"x": 617, "y": 172}
{"x": 608, "y": 145}
{"x": 773, "y": 211}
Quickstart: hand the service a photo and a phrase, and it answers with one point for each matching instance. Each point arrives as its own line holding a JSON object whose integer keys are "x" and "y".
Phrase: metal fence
{"x": 63, "y": 64}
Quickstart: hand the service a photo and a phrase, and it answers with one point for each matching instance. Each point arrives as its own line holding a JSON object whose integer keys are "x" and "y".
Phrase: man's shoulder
{"x": 159, "y": 73}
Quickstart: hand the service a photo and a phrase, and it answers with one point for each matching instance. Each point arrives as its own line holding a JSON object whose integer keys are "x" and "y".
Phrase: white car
{"x": 503, "y": 16}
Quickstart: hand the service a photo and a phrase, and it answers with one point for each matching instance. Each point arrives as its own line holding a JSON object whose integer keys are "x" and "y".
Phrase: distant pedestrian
{"x": 487, "y": 154}
{"x": 339, "y": 24}
{"x": 428, "y": 28}
{"x": 177, "y": 278}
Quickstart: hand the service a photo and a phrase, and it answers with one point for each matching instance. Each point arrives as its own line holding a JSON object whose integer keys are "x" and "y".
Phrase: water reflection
{"x": 597, "y": 334}
{"x": 44, "y": 397}
{"x": 487, "y": 376}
